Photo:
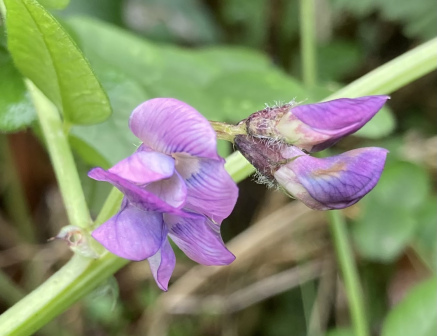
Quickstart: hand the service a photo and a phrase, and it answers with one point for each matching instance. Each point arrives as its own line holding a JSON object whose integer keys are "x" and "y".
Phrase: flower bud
{"x": 314, "y": 127}
{"x": 320, "y": 183}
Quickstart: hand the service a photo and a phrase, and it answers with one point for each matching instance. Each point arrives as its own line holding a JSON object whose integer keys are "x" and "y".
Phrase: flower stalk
{"x": 226, "y": 131}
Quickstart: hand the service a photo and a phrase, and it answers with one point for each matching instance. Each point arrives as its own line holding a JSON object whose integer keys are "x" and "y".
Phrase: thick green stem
{"x": 346, "y": 260}
{"x": 308, "y": 43}
{"x": 62, "y": 158}
{"x": 76, "y": 278}
{"x": 81, "y": 275}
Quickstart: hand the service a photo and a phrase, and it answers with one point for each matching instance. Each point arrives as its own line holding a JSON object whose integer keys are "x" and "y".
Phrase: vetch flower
{"x": 174, "y": 185}
{"x": 314, "y": 127}
{"x": 334, "y": 182}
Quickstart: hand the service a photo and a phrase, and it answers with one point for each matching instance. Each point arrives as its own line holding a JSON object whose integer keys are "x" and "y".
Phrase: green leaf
{"x": 101, "y": 42}
{"x": 381, "y": 125}
{"x": 425, "y": 240}
{"x": 416, "y": 314}
{"x": 388, "y": 221}
{"x": 240, "y": 94}
{"x": 403, "y": 184}
{"x": 45, "y": 53}
{"x": 16, "y": 109}
{"x": 54, "y": 4}
{"x": 112, "y": 139}
{"x": 382, "y": 232}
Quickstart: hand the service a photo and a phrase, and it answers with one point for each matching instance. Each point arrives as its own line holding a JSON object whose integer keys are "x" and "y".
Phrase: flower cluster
{"x": 174, "y": 185}
{"x": 279, "y": 139}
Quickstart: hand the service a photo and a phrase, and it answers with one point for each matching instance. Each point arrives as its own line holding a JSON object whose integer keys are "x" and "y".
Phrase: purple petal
{"x": 132, "y": 233}
{"x": 135, "y": 194}
{"x": 199, "y": 238}
{"x": 211, "y": 191}
{"x": 162, "y": 265}
{"x": 143, "y": 167}
{"x": 335, "y": 182}
{"x": 172, "y": 190}
{"x": 170, "y": 126}
{"x": 315, "y": 127}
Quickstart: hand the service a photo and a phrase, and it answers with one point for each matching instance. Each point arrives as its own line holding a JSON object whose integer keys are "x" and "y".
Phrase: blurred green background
{"x": 228, "y": 59}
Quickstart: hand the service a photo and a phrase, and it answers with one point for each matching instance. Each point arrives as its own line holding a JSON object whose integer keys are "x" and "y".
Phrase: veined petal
{"x": 144, "y": 167}
{"x": 335, "y": 182}
{"x": 211, "y": 191}
{"x": 199, "y": 238}
{"x": 136, "y": 195}
{"x": 162, "y": 265}
{"x": 170, "y": 126}
{"x": 315, "y": 127}
{"x": 132, "y": 233}
{"x": 171, "y": 190}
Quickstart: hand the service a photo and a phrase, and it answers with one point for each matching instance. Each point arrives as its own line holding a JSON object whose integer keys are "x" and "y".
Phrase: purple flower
{"x": 315, "y": 127}
{"x": 174, "y": 185}
{"x": 330, "y": 183}
{"x": 334, "y": 182}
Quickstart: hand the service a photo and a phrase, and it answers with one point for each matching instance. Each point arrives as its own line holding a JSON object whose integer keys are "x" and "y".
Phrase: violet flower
{"x": 174, "y": 185}
{"x": 314, "y": 127}
{"x": 329, "y": 183}
{"x": 334, "y": 182}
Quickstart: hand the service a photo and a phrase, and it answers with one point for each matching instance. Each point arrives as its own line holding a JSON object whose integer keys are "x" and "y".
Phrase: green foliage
{"x": 44, "y": 53}
{"x": 16, "y": 110}
{"x": 416, "y": 314}
{"x": 337, "y": 59}
{"x": 381, "y": 125}
{"x": 223, "y": 83}
{"x": 340, "y": 332}
{"x": 54, "y": 4}
{"x": 418, "y": 17}
{"x": 169, "y": 20}
{"x": 389, "y": 219}
{"x": 424, "y": 241}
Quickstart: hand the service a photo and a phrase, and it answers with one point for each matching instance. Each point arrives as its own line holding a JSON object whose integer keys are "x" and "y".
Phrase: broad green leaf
{"x": 240, "y": 94}
{"x": 382, "y": 233}
{"x": 45, "y": 53}
{"x": 16, "y": 109}
{"x": 101, "y": 42}
{"x": 112, "y": 139}
{"x": 425, "y": 239}
{"x": 54, "y": 4}
{"x": 416, "y": 314}
{"x": 388, "y": 221}
{"x": 403, "y": 184}
{"x": 381, "y": 125}
{"x": 231, "y": 59}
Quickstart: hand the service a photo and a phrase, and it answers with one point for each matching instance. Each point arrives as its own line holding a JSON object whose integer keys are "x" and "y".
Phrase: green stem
{"x": 62, "y": 158}
{"x": 394, "y": 74}
{"x": 308, "y": 44}
{"x": 74, "y": 280}
{"x": 345, "y": 257}
{"x": 81, "y": 275}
